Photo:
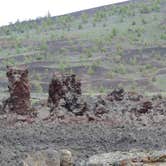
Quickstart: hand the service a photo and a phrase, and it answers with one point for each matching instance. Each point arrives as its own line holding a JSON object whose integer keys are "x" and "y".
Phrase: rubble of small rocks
{"x": 139, "y": 104}
{"x": 66, "y": 102}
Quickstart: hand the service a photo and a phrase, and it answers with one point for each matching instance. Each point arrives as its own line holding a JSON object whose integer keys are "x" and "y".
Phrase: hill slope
{"x": 115, "y": 45}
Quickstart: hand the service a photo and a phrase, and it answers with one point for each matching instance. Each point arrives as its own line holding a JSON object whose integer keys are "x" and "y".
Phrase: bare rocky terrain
{"x": 118, "y": 105}
{"x": 83, "y": 140}
{"x": 128, "y": 125}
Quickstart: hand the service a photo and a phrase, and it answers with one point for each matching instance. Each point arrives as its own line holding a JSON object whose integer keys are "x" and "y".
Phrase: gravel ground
{"x": 130, "y": 124}
{"x": 83, "y": 140}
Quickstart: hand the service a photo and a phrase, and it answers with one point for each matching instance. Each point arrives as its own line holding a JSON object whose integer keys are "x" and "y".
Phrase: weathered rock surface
{"x": 49, "y": 158}
{"x": 65, "y": 87}
{"x": 43, "y": 158}
{"x": 65, "y": 96}
{"x": 118, "y": 106}
{"x": 19, "y": 89}
{"x": 154, "y": 158}
{"x": 66, "y": 158}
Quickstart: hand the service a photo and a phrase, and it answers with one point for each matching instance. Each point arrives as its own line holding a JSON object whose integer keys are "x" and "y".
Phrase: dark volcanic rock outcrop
{"x": 65, "y": 95}
{"x": 19, "y": 89}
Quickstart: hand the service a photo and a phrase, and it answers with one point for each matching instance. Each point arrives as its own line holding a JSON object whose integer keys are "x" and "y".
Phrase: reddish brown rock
{"x": 19, "y": 89}
{"x": 116, "y": 95}
{"x": 66, "y": 88}
{"x": 145, "y": 106}
{"x": 56, "y": 91}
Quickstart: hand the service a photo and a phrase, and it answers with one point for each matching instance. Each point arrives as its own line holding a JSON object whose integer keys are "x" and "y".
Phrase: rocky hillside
{"x": 120, "y": 45}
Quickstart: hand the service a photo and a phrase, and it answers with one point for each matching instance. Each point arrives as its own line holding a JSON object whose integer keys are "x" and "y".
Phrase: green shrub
{"x": 99, "y": 16}
{"x": 144, "y": 21}
{"x": 121, "y": 69}
{"x": 80, "y": 26}
{"x": 133, "y": 23}
{"x": 84, "y": 18}
{"x": 145, "y": 9}
{"x": 114, "y": 32}
{"x": 163, "y": 36}
{"x": 94, "y": 24}
{"x": 89, "y": 53}
{"x": 111, "y": 74}
{"x": 37, "y": 86}
{"x": 102, "y": 89}
{"x": 62, "y": 66}
{"x": 133, "y": 61}
{"x": 90, "y": 70}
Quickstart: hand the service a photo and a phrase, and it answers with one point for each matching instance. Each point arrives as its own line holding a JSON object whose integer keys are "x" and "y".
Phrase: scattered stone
{"x": 65, "y": 101}
{"x": 116, "y": 95}
{"x": 129, "y": 158}
{"x": 66, "y": 158}
{"x": 42, "y": 158}
{"x": 100, "y": 110}
{"x": 145, "y": 106}
{"x": 133, "y": 96}
{"x": 43, "y": 113}
{"x": 90, "y": 116}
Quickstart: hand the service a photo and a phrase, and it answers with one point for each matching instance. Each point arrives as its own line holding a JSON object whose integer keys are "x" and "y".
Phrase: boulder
{"x": 42, "y": 158}
{"x": 153, "y": 158}
{"x": 66, "y": 158}
{"x": 66, "y": 87}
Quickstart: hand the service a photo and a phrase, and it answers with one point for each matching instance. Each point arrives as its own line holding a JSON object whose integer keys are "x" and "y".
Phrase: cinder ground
{"x": 83, "y": 140}
{"x": 123, "y": 131}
